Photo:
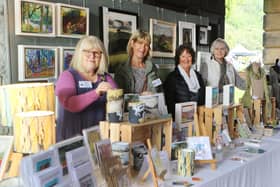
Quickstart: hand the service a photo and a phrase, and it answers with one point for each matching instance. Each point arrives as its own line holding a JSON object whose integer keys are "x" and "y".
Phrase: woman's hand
{"x": 103, "y": 87}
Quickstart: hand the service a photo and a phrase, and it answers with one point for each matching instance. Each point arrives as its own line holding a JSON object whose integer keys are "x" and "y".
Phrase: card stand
{"x": 213, "y": 163}
{"x": 156, "y": 130}
{"x": 206, "y": 117}
{"x": 151, "y": 170}
{"x": 234, "y": 110}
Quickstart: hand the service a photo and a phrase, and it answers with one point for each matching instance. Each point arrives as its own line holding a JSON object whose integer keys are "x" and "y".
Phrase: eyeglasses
{"x": 94, "y": 53}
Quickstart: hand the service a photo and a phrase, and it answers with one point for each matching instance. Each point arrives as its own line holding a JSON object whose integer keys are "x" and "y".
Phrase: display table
{"x": 259, "y": 171}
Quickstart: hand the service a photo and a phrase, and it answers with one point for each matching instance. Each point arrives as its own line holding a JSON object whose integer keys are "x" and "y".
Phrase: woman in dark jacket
{"x": 184, "y": 84}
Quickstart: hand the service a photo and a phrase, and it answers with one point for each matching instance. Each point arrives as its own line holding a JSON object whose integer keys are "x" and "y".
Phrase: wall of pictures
{"x": 143, "y": 13}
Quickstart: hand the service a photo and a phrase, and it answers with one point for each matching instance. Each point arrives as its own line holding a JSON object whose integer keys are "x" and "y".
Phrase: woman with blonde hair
{"x": 138, "y": 74}
{"x": 81, "y": 89}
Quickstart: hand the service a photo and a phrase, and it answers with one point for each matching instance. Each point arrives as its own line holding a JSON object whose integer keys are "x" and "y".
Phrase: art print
{"x": 34, "y": 18}
{"x": 163, "y": 38}
{"x": 185, "y": 112}
{"x": 201, "y": 146}
{"x": 37, "y": 62}
{"x": 152, "y": 104}
{"x": 66, "y": 55}
{"x": 73, "y": 21}
{"x": 187, "y": 34}
{"x": 116, "y": 29}
{"x": 203, "y": 35}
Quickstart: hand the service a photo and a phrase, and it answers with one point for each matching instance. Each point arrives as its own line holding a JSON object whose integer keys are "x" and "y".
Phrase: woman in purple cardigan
{"x": 82, "y": 88}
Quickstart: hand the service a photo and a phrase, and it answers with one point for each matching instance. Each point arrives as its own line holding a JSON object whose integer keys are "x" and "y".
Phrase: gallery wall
{"x": 144, "y": 11}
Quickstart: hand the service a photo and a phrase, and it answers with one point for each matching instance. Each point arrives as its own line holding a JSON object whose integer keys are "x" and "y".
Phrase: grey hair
{"x": 216, "y": 42}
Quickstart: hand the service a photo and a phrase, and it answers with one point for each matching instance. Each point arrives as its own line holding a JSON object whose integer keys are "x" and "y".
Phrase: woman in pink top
{"x": 82, "y": 88}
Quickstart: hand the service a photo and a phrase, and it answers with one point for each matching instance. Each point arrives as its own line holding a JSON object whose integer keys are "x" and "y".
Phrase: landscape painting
{"x": 34, "y": 18}
{"x": 73, "y": 21}
{"x": 117, "y": 28}
{"x": 36, "y": 62}
{"x": 163, "y": 38}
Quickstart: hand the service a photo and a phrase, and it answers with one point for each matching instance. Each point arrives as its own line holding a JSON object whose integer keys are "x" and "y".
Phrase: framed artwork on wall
{"x": 66, "y": 55}
{"x": 117, "y": 27}
{"x": 187, "y": 33}
{"x": 36, "y": 62}
{"x": 203, "y": 35}
{"x": 202, "y": 57}
{"x": 34, "y": 18}
{"x": 5, "y": 150}
{"x": 163, "y": 38}
{"x": 72, "y": 21}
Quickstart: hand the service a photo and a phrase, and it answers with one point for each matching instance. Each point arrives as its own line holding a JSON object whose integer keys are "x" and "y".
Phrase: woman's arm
{"x": 66, "y": 91}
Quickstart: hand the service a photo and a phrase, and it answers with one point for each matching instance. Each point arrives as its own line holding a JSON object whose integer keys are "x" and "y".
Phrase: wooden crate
{"x": 234, "y": 110}
{"x": 259, "y": 110}
{"x": 128, "y": 132}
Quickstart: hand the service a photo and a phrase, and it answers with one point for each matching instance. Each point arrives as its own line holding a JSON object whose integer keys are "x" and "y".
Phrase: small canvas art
{"x": 201, "y": 146}
{"x": 152, "y": 106}
{"x": 163, "y": 38}
{"x": 136, "y": 112}
{"x": 128, "y": 98}
{"x": 34, "y": 18}
{"x": 91, "y": 136}
{"x": 212, "y": 96}
{"x": 64, "y": 146}
{"x": 37, "y": 62}
{"x": 184, "y": 114}
{"x": 5, "y": 150}
{"x": 228, "y": 94}
{"x": 73, "y": 21}
{"x": 66, "y": 55}
{"x": 114, "y": 106}
{"x": 203, "y": 35}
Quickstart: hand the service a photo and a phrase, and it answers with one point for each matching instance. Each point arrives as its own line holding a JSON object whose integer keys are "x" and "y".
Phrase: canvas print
{"x": 163, "y": 38}
{"x": 35, "y": 18}
{"x": 185, "y": 113}
{"x": 66, "y": 55}
{"x": 5, "y": 150}
{"x": 228, "y": 94}
{"x": 91, "y": 136}
{"x": 152, "y": 106}
{"x": 203, "y": 35}
{"x": 116, "y": 29}
{"x": 128, "y": 98}
{"x": 37, "y": 62}
{"x": 202, "y": 57}
{"x": 65, "y": 146}
{"x": 201, "y": 146}
{"x": 212, "y": 96}
{"x": 73, "y": 21}
{"x": 187, "y": 34}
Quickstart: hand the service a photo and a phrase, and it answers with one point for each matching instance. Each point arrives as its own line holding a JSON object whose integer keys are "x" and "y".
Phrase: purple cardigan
{"x": 81, "y": 106}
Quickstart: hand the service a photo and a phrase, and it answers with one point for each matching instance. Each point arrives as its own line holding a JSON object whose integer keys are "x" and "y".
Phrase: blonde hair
{"x": 86, "y": 43}
{"x": 216, "y": 42}
{"x": 136, "y": 36}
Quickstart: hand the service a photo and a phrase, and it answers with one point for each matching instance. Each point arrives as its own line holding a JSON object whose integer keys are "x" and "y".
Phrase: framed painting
{"x": 91, "y": 136}
{"x": 64, "y": 146}
{"x": 163, "y": 38}
{"x": 66, "y": 55}
{"x": 37, "y": 62}
{"x": 187, "y": 33}
{"x": 184, "y": 115}
{"x": 203, "y": 35}
{"x": 5, "y": 150}
{"x": 117, "y": 27}
{"x": 211, "y": 96}
{"x": 72, "y": 21}
{"x": 34, "y": 18}
{"x": 202, "y": 57}
{"x": 201, "y": 146}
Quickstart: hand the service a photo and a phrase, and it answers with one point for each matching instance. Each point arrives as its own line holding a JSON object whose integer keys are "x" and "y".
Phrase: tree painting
{"x": 39, "y": 63}
{"x": 36, "y": 18}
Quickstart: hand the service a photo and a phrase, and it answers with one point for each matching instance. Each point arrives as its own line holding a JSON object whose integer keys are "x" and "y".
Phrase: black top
{"x": 176, "y": 90}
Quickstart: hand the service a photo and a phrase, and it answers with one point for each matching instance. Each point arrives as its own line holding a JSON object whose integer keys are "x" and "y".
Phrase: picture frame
{"x": 35, "y": 18}
{"x": 185, "y": 112}
{"x": 163, "y": 38}
{"x": 72, "y": 21}
{"x": 203, "y": 38}
{"x": 202, "y": 57}
{"x": 201, "y": 146}
{"x": 117, "y": 27}
{"x": 91, "y": 136}
{"x": 187, "y": 33}
{"x": 66, "y": 55}
{"x": 211, "y": 96}
{"x": 5, "y": 150}
{"x": 64, "y": 146}
{"x": 36, "y": 63}
{"x": 228, "y": 94}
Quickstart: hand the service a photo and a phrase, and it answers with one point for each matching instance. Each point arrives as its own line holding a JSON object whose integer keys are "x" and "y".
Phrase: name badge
{"x": 156, "y": 82}
{"x": 85, "y": 84}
